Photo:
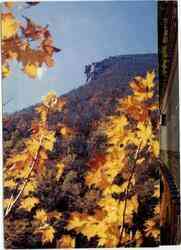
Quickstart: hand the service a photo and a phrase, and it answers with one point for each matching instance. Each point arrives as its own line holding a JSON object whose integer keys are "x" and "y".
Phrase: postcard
{"x": 90, "y": 124}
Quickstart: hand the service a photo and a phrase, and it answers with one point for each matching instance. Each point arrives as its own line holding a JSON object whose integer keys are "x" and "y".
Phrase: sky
{"x": 86, "y": 32}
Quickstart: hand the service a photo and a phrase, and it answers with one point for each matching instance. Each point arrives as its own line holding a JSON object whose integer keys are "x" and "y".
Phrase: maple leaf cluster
{"x": 18, "y": 43}
{"x": 132, "y": 144}
{"x": 111, "y": 185}
{"x": 24, "y": 170}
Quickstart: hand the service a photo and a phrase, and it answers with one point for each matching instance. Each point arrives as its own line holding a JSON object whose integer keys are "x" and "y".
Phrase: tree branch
{"x": 127, "y": 190}
{"x": 13, "y": 202}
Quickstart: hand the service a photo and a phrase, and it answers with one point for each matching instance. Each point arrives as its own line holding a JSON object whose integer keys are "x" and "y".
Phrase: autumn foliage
{"x": 18, "y": 43}
{"x": 106, "y": 196}
{"x": 112, "y": 177}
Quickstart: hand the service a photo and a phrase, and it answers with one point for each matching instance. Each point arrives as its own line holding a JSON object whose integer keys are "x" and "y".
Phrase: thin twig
{"x": 127, "y": 190}
{"x": 12, "y": 204}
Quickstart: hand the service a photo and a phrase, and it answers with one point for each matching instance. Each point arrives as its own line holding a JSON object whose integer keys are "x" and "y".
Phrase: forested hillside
{"x": 82, "y": 169}
{"x": 92, "y": 100}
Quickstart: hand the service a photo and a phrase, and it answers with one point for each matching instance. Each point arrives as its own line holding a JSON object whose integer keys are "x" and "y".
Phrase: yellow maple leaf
{"x": 9, "y": 25}
{"x": 112, "y": 207}
{"x": 148, "y": 82}
{"x": 88, "y": 225}
{"x": 110, "y": 240}
{"x": 131, "y": 138}
{"x": 10, "y": 184}
{"x": 154, "y": 106}
{"x": 66, "y": 241}
{"x": 32, "y": 146}
{"x": 50, "y": 100}
{"x": 155, "y": 147}
{"x": 28, "y": 203}
{"x": 23, "y": 172}
{"x": 48, "y": 140}
{"x": 42, "y": 110}
{"x": 76, "y": 221}
{"x": 152, "y": 228}
{"x": 142, "y": 87}
{"x": 93, "y": 229}
{"x": 17, "y": 158}
{"x": 103, "y": 227}
{"x": 30, "y": 187}
{"x": 134, "y": 107}
{"x": 115, "y": 189}
{"x": 41, "y": 216}
{"x": 6, "y": 71}
{"x": 144, "y": 133}
{"x": 47, "y": 234}
{"x": 114, "y": 164}
{"x": 143, "y": 96}
{"x": 97, "y": 178}
{"x": 31, "y": 70}
{"x": 116, "y": 126}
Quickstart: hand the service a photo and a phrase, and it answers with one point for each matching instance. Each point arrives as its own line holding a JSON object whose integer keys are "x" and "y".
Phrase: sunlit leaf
{"x": 148, "y": 83}
{"x": 9, "y": 25}
{"x": 17, "y": 158}
{"x": 10, "y": 184}
{"x": 48, "y": 140}
{"x": 31, "y": 70}
{"x": 47, "y": 234}
{"x": 5, "y": 71}
{"x": 42, "y": 110}
{"x": 28, "y": 203}
{"x": 144, "y": 133}
{"x": 32, "y": 146}
{"x": 66, "y": 241}
{"x": 50, "y": 99}
{"x": 97, "y": 178}
{"x": 156, "y": 147}
{"x": 41, "y": 216}
{"x": 30, "y": 187}
{"x": 152, "y": 228}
